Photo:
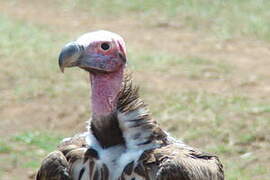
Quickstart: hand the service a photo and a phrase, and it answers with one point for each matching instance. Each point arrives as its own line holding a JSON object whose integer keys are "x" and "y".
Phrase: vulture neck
{"x": 105, "y": 89}
{"x": 104, "y": 124}
{"x": 120, "y": 117}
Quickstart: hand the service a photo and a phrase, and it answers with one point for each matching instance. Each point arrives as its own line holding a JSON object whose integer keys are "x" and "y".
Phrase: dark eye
{"x": 105, "y": 46}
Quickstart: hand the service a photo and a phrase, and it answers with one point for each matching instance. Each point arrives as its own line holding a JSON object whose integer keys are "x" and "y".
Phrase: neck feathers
{"x": 106, "y": 130}
{"x": 130, "y": 124}
{"x": 138, "y": 128}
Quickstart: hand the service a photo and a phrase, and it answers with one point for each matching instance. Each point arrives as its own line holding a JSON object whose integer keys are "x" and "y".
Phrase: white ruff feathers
{"x": 118, "y": 157}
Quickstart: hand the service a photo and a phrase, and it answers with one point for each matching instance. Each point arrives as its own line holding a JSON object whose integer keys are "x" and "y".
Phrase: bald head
{"x": 98, "y": 51}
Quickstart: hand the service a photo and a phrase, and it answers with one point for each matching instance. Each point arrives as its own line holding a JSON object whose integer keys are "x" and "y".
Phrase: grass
{"x": 29, "y": 62}
{"x": 27, "y": 149}
{"x": 44, "y": 141}
{"x": 191, "y": 67}
{"x": 226, "y": 19}
{"x": 4, "y": 147}
{"x": 209, "y": 111}
{"x": 227, "y": 122}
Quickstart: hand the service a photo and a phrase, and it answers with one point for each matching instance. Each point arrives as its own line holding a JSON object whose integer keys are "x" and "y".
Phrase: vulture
{"x": 122, "y": 142}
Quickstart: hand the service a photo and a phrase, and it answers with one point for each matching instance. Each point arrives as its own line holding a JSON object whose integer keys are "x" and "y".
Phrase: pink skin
{"x": 95, "y": 58}
{"x": 105, "y": 88}
{"x": 106, "y": 85}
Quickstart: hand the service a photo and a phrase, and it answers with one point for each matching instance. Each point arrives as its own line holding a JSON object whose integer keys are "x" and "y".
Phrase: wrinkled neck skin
{"x": 105, "y": 89}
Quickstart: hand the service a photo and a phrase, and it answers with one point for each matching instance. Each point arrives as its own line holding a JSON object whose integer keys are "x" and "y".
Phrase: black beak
{"x": 70, "y": 55}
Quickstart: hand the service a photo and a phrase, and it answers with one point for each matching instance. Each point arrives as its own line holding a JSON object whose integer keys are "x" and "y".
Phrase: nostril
{"x": 105, "y": 46}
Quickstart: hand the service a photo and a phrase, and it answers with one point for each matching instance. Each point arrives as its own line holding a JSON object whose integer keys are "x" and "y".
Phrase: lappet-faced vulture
{"x": 123, "y": 142}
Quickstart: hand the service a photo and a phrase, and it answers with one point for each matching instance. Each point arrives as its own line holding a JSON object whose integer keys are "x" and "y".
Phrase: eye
{"x": 105, "y": 46}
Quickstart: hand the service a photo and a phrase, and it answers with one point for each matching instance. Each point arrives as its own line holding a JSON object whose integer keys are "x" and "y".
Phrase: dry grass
{"x": 212, "y": 92}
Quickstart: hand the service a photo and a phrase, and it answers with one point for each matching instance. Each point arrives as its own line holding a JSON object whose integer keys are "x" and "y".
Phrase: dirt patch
{"x": 41, "y": 114}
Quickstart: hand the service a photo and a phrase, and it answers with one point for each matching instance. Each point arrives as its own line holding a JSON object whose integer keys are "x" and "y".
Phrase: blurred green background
{"x": 202, "y": 66}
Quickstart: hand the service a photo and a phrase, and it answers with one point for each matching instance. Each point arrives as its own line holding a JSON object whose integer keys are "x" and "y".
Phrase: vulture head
{"x": 103, "y": 55}
{"x": 96, "y": 52}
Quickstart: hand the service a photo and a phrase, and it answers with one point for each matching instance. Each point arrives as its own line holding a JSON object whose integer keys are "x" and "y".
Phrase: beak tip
{"x": 69, "y": 55}
{"x": 62, "y": 69}
{"x": 60, "y": 62}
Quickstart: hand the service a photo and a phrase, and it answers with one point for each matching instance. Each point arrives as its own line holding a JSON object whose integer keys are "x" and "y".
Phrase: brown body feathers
{"x": 131, "y": 126}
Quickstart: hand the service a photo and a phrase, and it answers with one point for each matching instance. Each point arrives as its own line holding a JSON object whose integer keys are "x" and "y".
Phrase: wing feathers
{"x": 172, "y": 162}
{"x": 60, "y": 164}
{"x": 54, "y": 167}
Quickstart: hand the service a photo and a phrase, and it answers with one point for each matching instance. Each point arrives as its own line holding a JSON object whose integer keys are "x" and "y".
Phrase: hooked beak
{"x": 74, "y": 54}
{"x": 70, "y": 55}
